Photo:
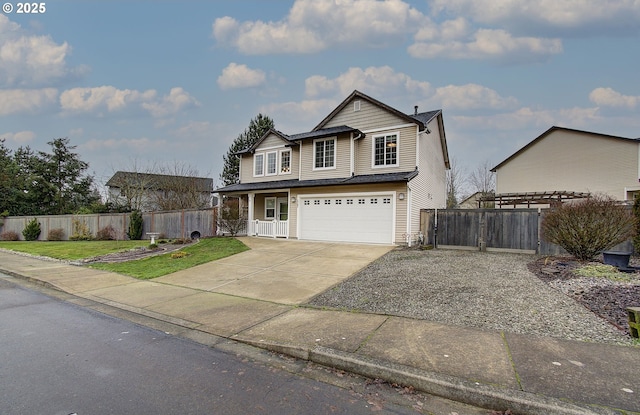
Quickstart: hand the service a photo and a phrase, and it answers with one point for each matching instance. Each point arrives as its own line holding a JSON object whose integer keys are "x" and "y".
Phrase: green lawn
{"x": 71, "y": 250}
{"x": 208, "y": 249}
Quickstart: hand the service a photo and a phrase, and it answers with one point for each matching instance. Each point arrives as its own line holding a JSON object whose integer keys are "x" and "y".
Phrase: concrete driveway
{"x": 279, "y": 271}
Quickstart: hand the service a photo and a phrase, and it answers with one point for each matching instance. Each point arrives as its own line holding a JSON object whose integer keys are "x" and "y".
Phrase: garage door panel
{"x": 348, "y": 218}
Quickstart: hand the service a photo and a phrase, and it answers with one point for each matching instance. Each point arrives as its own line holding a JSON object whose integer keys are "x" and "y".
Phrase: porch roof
{"x": 295, "y": 183}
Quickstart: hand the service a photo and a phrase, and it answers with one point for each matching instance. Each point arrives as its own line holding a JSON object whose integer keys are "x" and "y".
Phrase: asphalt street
{"x": 58, "y": 358}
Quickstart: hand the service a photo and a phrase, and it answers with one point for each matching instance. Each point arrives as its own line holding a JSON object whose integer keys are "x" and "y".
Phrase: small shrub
{"x": 181, "y": 241}
{"x": 588, "y": 227}
{"x": 56, "y": 234}
{"x": 9, "y": 236}
{"x": 81, "y": 231}
{"x": 178, "y": 255}
{"x": 135, "y": 226}
{"x": 31, "y": 232}
{"x": 106, "y": 234}
{"x": 153, "y": 246}
{"x": 231, "y": 218}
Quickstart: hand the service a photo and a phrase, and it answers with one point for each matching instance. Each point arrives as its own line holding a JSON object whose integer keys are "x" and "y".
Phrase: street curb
{"x": 453, "y": 388}
{"x": 448, "y": 387}
{"x": 445, "y": 386}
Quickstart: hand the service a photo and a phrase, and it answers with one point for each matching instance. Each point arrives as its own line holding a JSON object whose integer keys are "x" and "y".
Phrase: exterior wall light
{"x": 401, "y": 196}
{"x": 293, "y": 199}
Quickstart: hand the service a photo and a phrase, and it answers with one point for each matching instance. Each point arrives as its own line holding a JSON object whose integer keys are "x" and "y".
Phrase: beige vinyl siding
{"x": 572, "y": 161}
{"x": 369, "y": 117}
{"x": 342, "y": 162}
{"x": 406, "y": 151}
{"x": 428, "y": 189}
{"x": 400, "y": 205}
{"x": 246, "y": 167}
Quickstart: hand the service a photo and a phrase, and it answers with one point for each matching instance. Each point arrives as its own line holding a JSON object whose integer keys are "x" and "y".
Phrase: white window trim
{"x": 255, "y": 162}
{"x": 266, "y": 163}
{"x": 373, "y": 150}
{"x": 290, "y": 161}
{"x": 275, "y": 208}
{"x": 335, "y": 153}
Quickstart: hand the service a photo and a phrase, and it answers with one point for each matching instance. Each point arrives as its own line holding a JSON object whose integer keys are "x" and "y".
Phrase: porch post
{"x": 250, "y": 225}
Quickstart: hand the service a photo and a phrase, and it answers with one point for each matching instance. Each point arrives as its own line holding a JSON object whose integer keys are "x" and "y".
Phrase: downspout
{"x": 352, "y": 155}
{"x": 353, "y": 149}
{"x": 408, "y": 215}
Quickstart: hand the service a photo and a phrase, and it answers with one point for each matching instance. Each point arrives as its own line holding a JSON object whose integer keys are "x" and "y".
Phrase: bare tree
{"x": 456, "y": 180}
{"x": 181, "y": 187}
{"x": 160, "y": 187}
{"x": 483, "y": 180}
{"x": 129, "y": 189}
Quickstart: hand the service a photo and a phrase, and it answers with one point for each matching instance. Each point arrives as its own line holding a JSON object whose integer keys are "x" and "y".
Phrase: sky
{"x": 135, "y": 84}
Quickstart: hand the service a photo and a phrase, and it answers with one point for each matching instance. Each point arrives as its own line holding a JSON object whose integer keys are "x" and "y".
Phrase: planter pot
{"x": 617, "y": 259}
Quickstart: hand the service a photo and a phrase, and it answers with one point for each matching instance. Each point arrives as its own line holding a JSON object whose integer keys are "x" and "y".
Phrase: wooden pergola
{"x": 532, "y": 198}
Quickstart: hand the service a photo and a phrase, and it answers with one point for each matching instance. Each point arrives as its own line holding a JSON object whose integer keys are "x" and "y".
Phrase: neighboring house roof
{"x": 551, "y": 130}
{"x": 157, "y": 181}
{"x": 293, "y": 183}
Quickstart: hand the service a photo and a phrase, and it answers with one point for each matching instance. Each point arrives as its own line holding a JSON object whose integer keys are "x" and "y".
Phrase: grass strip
{"x": 207, "y": 250}
{"x": 71, "y": 250}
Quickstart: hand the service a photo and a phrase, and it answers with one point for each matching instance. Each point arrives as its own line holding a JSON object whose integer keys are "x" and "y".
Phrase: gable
{"x": 366, "y": 117}
{"x": 271, "y": 140}
{"x": 559, "y": 133}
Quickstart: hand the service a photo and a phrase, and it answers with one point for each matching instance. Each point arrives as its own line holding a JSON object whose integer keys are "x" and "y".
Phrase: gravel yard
{"x": 474, "y": 289}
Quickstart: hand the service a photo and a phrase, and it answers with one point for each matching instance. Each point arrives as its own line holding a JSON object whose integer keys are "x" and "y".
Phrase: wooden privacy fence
{"x": 491, "y": 229}
{"x": 170, "y": 224}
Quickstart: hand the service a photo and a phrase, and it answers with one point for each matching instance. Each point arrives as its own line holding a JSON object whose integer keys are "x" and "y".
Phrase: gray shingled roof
{"x": 158, "y": 181}
{"x": 295, "y": 183}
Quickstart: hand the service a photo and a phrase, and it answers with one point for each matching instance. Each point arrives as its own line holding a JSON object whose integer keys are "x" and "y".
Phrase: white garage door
{"x": 349, "y": 218}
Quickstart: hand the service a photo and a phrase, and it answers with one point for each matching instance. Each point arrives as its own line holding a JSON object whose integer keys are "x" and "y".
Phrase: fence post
{"x": 482, "y": 232}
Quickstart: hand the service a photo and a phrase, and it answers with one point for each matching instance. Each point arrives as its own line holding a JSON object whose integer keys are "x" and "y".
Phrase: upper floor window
{"x": 258, "y": 164}
{"x": 385, "y": 150}
{"x": 285, "y": 162}
{"x": 272, "y": 160}
{"x": 324, "y": 154}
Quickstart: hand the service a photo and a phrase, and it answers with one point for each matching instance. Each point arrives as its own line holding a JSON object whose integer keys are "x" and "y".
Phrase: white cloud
{"x": 607, "y": 97}
{"x": 526, "y": 117}
{"x": 240, "y": 76}
{"x": 471, "y": 96}
{"x": 315, "y": 25}
{"x": 539, "y": 16}
{"x": 102, "y": 98}
{"x": 20, "y": 138}
{"x": 109, "y": 99}
{"x": 30, "y": 60}
{"x": 482, "y": 44}
{"x": 14, "y": 101}
{"x": 380, "y": 81}
{"x": 384, "y": 81}
{"x": 177, "y": 100}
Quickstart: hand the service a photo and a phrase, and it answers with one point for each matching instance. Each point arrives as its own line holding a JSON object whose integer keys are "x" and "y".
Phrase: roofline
{"x": 556, "y": 128}
{"x": 374, "y": 101}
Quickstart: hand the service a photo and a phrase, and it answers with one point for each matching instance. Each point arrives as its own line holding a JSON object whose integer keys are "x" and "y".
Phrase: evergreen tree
{"x": 135, "y": 226}
{"x": 9, "y": 187}
{"x": 257, "y": 128}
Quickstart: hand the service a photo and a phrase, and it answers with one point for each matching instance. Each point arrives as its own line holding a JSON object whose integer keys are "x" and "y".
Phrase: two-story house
{"x": 361, "y": 175}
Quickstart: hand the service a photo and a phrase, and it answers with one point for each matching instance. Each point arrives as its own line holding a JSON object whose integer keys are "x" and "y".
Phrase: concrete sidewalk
{"x": 254, "y": 297}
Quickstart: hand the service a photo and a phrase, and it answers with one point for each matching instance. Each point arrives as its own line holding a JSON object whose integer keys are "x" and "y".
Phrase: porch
{"x": 271, "y": 228}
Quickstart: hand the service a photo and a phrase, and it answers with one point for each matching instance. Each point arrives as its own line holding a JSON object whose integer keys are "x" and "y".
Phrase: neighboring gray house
{"x": 361, "y": 175}
{"x": 570, "y": 162}
{"x": 152, "y": 192}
